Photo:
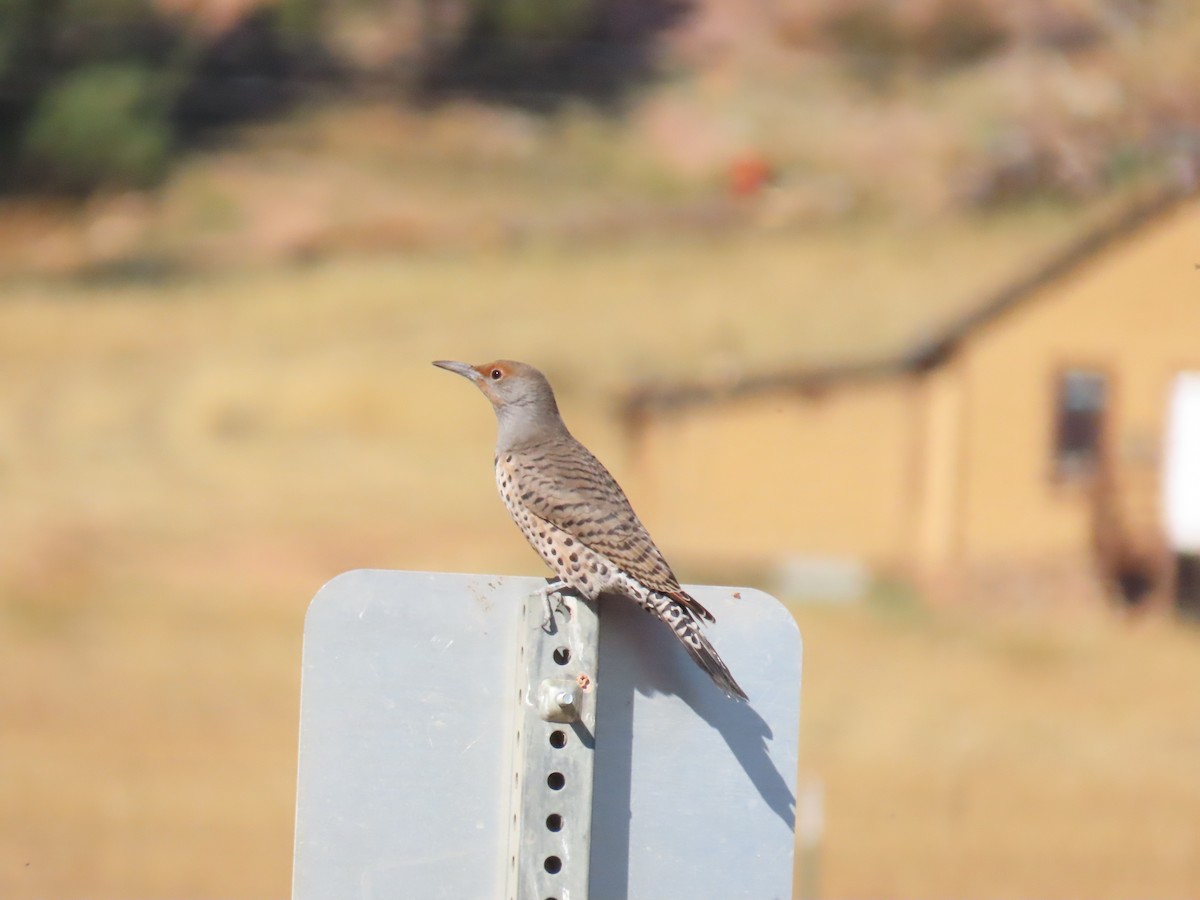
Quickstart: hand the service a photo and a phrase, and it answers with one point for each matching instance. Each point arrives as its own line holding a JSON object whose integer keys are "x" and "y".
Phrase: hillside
{"x": 739, "y": 118}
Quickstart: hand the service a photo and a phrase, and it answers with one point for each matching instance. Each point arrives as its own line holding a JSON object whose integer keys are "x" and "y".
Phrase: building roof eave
{"x": 925, "y": 354}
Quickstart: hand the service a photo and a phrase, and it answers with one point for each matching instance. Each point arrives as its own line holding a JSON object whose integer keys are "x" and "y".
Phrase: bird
{"x": 575, "y": 515}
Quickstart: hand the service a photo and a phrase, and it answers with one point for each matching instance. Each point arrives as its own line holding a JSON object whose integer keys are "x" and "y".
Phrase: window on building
{"x": 1079, "y": 422}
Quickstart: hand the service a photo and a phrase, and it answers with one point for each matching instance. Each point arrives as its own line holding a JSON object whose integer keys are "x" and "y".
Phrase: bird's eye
{"x": 497, "y": 374}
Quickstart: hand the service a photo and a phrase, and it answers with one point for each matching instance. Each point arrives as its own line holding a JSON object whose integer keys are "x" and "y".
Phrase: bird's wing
{"x": 564, "y": 484}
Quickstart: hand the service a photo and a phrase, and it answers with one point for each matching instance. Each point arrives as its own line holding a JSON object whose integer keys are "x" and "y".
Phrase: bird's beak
{"x": 459, "y": 368}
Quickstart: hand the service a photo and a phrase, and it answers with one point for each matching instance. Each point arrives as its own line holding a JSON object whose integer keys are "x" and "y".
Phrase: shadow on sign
{"x": 656, "y": 745}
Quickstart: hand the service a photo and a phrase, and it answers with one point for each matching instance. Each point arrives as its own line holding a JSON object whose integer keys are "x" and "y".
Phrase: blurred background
{"x": 889, "y": 307}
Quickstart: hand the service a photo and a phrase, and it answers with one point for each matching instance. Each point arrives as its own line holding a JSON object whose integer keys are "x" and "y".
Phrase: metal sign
{"x": 413, "y": 781}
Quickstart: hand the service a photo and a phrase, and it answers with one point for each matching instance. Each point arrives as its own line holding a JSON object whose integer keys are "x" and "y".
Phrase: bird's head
{"x": 520, "y": 394}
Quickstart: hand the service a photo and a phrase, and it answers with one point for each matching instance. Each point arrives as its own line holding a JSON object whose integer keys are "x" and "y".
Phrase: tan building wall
{"x": 938, "y": 467}
{"x": 784, "y": 474}
{"x": 951, "y": 469}
{"x": 1133, "y": 313}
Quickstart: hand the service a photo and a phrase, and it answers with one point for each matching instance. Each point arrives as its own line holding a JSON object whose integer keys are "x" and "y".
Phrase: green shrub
{"x": 299, "y": 20}
{"x": 536, "y": 20}
{"x": 16, "y": 21}
{"x": 100, "y": 124}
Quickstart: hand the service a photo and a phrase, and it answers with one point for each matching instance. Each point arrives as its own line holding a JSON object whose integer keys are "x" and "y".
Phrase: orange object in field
{"x": 748, "y": 174}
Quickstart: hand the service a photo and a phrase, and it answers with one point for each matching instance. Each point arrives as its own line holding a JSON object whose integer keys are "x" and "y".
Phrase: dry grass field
{"x": 182, "y": 465}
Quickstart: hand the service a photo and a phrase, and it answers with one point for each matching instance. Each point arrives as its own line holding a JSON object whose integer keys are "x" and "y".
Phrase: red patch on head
{"x": 489, "y": 370}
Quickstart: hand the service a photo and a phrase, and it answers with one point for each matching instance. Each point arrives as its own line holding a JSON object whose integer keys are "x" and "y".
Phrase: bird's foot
{"x": 555, "y": 588}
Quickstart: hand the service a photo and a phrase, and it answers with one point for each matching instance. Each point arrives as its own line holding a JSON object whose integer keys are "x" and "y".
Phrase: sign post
{"x": 456, "y": 742}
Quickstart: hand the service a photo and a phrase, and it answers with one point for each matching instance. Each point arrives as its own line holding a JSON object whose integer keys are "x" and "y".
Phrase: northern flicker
{"x": 575, "y": 515}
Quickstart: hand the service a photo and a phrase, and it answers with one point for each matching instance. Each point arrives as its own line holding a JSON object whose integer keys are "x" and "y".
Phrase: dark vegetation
{"x": 108, "y": 92}
{"x": 540, "y": 53}
{"x": 96, "y": 92}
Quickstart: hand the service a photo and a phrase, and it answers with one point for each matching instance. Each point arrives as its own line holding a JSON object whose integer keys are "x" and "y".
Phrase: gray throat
{"x": 525, "y": 425}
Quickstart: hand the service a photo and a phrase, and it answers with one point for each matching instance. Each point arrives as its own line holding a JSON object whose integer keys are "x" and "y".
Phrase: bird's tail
{"x": 687, "y": 629}
{"x": 694, "y": 606}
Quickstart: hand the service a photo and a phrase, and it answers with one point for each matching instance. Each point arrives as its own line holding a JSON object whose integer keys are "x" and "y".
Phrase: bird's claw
{"x": 559, "y": 605}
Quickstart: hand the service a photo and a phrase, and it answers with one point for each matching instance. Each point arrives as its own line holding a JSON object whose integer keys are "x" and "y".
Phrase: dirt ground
{"x": 182, "y": 465}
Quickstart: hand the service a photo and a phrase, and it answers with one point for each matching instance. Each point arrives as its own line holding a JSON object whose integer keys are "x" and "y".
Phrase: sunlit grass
{"x": 1002, "y": 756}
{"x": 185, "y": 463}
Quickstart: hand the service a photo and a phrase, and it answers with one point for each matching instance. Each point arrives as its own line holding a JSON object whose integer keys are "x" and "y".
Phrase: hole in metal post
{"x": 556, "y": 780}
{"x": 562, "y": 655}
{"x": 553, "y": 865}
{"x": 554, "y": 822}
{"x": 558, "y": 739}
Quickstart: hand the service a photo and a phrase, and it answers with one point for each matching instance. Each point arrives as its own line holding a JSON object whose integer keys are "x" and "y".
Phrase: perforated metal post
{"x": 554, "y": 752}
